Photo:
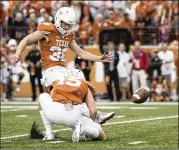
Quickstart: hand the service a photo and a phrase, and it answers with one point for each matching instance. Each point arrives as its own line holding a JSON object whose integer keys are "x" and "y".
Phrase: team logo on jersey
{"x": 62, "y": 43}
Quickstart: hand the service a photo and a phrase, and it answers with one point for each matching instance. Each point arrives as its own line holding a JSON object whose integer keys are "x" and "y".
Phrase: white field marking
{"x": 14, "y": 103}
{"x": 131, "y": 103}
{"x": 15, "y": 136}
{"x": 23, "y": 135}
{"x": 122, "y": 122}
{"x": 55, "y": 142}
{"x": 137, "y": 142}
{"x": 35, "y": 107}
{"x": 21, "y": 108}
{"x": 102, "y": 102}
{"x": 9, "y": 110}
{"x": 21, "y": 116}
{"x": 119, "y": 116}
{"x": 111, "y": 107}
{"x": 143, "y": 108}
{"x": 141, "y": 120}
{"x": 17, "y": 107}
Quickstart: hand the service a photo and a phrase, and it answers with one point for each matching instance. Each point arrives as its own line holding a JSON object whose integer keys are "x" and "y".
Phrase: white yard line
{"x": 143, "y": 108}
{"x": 17, "y": 136}
{"x": 9, "y": 110}
{"x": 17, "y": 102}
{"x": 33, "y": 107}
{"x": 112, "y": 123}
{"x": 21, "y": 116}
{"x": 21, "y": 108}
{"x": 137, "y": 142}
{"x": 119, "y": 116}
{"x": 102, "y": 103}
{"x": 55, "y": 142}
{"x": 141, "y": 120}
{"x": 131, "y": 103}
{"x": 18, "y": 107}
{"x": 111, "y": 107}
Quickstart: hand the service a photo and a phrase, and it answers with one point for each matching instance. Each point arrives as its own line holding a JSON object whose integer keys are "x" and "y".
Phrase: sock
{"x": 46, "y": 122}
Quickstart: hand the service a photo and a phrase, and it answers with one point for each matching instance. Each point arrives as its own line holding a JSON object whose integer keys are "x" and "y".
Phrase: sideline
{"x": 100, "y": 102}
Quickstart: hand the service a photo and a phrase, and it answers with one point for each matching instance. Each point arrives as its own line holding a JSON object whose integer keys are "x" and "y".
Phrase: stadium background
{"x": 153, "y": 32}
{"x": 141, "y": 126}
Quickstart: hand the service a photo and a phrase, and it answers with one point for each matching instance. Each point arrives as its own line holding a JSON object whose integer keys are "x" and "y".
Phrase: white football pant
{"x": 52, "y": 74}
{"x": 58, "y": 113}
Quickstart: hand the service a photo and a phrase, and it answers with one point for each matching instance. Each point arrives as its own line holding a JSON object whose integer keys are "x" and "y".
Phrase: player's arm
{"x": 31, "y": 38}
{"x": 90, "y": 102}
{"x": 88, "y": 56}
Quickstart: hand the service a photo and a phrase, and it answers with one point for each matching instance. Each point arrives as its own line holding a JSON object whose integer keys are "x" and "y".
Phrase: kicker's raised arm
{"x": 31, "y": 38}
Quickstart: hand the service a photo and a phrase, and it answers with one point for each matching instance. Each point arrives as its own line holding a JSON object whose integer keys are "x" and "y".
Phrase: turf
{"x": 153, "y": 134}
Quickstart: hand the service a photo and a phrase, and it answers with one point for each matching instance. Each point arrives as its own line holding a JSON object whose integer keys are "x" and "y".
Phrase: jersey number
{"x": 71, "y": 82}
{"x": 58, "y": 53}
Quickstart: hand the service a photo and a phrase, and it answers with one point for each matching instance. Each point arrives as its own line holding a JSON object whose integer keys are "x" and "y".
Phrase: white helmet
{"x": 66, "y": 15}
{"x": 75, "y": 74}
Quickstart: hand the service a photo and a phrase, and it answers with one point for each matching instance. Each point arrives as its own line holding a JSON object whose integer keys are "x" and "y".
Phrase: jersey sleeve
{"x": 45, "y": 27}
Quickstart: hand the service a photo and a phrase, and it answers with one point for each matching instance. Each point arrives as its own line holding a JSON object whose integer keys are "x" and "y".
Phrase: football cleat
{"x": 48, "y": 137}
{"x": 76, "y": 132}
{"x": 35, "y": 133}
{"x": 102, "y": 117}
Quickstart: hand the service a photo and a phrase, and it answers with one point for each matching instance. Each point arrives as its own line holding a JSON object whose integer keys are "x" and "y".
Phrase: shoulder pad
{"x": 46, "y": 26}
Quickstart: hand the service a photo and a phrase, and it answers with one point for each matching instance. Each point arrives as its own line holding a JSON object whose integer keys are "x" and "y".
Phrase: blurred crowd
{"x": 127, "y": 71}
{"x": 159, "y": 18}
{"x": 12, "y": 74}
{"x": 122, "y": 76}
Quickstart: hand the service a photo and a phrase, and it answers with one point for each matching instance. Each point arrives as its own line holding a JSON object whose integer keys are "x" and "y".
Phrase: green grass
{"x": 155, "y": 133}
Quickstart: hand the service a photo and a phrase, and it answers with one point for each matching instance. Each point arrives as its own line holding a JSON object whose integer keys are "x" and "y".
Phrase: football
{"x": 141, "y": 95}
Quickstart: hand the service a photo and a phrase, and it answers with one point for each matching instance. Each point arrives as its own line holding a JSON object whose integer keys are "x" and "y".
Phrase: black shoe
{"x": 35, "y": 133}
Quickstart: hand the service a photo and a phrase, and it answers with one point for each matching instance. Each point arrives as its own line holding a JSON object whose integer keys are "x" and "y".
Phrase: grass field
{"x": 134, "y": 126}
